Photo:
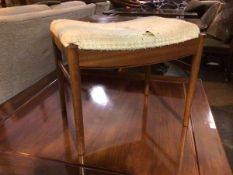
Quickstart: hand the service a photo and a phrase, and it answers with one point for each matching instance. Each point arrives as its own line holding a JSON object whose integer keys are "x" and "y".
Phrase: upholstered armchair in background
{"x": 26, "y": 49}
{"x": 219, "y": 40}
{"x": 200, "y": 6}
{"x": 217, "y": 16}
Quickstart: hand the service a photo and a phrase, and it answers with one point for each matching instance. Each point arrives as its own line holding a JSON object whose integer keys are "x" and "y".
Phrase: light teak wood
{"x": 75, "y": 83}
{"x": 192, "y": 81}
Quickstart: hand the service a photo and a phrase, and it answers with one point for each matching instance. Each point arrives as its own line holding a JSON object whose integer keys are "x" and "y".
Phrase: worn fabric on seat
{"x": 147, "y": 32}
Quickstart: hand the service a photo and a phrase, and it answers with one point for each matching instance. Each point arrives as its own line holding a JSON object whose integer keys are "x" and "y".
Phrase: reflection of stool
{"x": 139, "y": 42}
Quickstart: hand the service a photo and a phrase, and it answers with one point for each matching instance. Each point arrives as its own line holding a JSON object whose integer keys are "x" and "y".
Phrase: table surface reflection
{"x": 125, "y": 131}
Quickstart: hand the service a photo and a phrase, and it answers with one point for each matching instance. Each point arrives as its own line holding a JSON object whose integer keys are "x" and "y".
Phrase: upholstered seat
{"x": 147, "y": 32}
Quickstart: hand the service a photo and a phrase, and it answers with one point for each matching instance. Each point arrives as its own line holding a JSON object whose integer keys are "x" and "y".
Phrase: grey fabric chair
{"x": 26, "y": 49}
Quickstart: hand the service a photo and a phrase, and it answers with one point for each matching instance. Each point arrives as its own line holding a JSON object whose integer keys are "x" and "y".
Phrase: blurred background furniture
{"x": 101, "y": 4}
{"x": 3, "y": 3}
{"x": 216, "y": 18}
{"x": 200, "y": 6}
{"x": 26, "y": 49}
{"x": 218, "y": 52}
{"x": 219, "y": 41}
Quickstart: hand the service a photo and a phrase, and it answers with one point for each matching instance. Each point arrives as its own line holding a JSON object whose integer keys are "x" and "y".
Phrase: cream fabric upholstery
{"x": 147, "y": 32}
{"x": 22, "y": 9}
{"x": 26, "y": 53}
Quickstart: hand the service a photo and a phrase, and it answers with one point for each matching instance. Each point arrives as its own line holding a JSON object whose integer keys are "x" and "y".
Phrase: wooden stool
{"x": 86, "y": 58}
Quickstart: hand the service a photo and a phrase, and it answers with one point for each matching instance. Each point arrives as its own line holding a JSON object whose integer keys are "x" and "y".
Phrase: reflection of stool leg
{"x": 147, "y": 80}
{"x": 81, "y": 169}
{"x": 146, "y": 93}
{"x": 192, "y": 82}
{"x": 144, "y": 116}
{"x": 75, "y": 83}
{"x": 181, "y": 149}
{"x": 61, "y": 79}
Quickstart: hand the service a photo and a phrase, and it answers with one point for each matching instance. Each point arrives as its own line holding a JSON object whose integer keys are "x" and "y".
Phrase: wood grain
{"x": 12, "y": 164}
{"x": 118, "y": 134}
{"x": 113, "y": 59}
{"x": 211, "y": 155}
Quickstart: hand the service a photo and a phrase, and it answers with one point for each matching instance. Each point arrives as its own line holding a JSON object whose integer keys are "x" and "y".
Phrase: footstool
{"x": 139, "y": 42}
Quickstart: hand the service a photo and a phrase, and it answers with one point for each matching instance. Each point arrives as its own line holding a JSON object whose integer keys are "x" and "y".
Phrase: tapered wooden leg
{"x": 192, "y": 82}
{"x": 61, "y": 79}
{"x": 147, "y": 80}
{"x": 75, "y": 83}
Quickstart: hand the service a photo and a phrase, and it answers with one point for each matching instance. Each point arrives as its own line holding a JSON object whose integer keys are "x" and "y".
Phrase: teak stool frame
{"x": 77, "y": 59}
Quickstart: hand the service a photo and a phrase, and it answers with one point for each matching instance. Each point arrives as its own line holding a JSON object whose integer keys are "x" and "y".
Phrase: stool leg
{"x": 147, "y": 80}
{"x": 192, "y": 82}
{"x": 75, "y": 83}
{"x": 61, "y": 79}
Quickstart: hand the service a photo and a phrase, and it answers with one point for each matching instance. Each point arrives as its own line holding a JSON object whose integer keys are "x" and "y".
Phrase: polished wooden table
{"x": 124, "y": 132}
{"x": 23, "y": 164}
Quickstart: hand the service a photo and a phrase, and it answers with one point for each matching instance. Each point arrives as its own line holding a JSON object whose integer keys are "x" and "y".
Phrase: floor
{"x": 125, "y": 132}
